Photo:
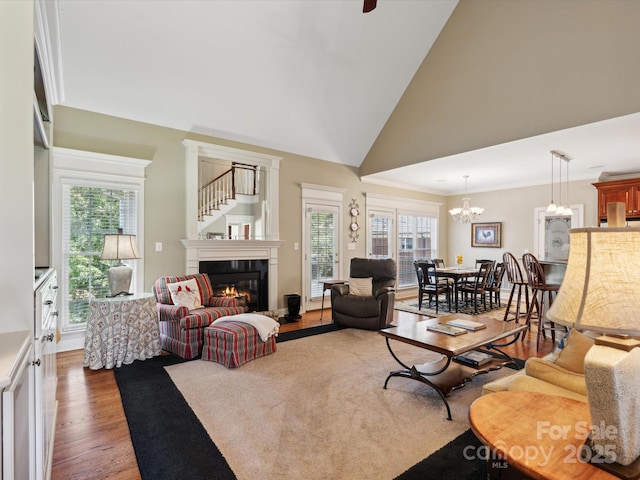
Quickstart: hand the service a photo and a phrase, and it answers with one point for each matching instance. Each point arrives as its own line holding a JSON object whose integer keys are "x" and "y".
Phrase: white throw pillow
{"x": 361, "y": 286}
{"x": 185, "y": 294}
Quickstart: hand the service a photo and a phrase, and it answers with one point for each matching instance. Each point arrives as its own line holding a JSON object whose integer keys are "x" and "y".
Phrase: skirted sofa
{"x": 182, "y": 330}
{"x": 559, "y": 373}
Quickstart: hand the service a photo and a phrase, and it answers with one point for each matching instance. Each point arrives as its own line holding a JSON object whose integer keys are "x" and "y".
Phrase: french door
{"x": 322, "y": 255}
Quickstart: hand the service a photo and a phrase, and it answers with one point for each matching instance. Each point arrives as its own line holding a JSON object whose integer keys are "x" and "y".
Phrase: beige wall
{"x": 17, "y": 162}
{"x": 494, "y": 75}
{"x": 165, "y": 192}
{"x": 165, "y": 188}
{"x": 165, "y": 203}
{"x": 515, "y": 209}
{"x": 505, "y": 70}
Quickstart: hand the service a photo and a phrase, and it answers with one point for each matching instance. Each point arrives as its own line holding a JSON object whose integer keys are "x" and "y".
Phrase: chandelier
{"x": 466, "y": 213}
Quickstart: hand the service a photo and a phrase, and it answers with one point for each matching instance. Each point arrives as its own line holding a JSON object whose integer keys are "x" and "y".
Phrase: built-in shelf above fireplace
{"x": 214, "y": 250}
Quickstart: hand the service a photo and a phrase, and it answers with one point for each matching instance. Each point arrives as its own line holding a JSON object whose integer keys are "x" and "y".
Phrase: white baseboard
{"x": 71, "y": 341}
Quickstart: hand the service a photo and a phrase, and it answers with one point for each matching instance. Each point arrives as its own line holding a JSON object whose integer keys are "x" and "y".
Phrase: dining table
{"x": 457, "y": 274}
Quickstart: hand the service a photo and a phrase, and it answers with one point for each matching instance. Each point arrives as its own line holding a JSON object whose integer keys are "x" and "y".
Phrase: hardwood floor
{"x": 92, "y": 437}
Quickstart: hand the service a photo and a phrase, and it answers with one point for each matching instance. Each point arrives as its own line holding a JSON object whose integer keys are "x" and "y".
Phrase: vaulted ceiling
{"x": 316, "y": 78}
{"x": 449, "y": 88}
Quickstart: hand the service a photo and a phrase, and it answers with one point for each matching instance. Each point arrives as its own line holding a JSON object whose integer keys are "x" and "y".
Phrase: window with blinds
{"x": 323, "y": 237}
{"x": 416, "y": 240}
{"x": 380, "y": 236}
{"x": 88, "y": 213}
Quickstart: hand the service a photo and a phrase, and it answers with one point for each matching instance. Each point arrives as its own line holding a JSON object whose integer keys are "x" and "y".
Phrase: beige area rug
{"x": 316, "y": 409}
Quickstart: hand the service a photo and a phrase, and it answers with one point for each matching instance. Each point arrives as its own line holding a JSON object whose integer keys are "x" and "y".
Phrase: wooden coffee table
{"x": 451, "y": 375}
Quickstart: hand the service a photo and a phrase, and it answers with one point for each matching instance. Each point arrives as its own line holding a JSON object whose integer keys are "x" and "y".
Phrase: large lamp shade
{"x": 601, "y": 286}
{"x": 600, "y": 293}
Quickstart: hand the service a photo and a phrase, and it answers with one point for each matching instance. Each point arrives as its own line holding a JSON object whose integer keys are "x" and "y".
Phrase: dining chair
{"x": 542, "y": 294}
{"x": 518, "y": 283}
{"x": 483, "y": 260}
{"x": 479, "y": 287}
{"x": 495, "y": 284}
{"x": 429, "y": 284}
{"x": 479, "y": 262}
{"x": 440, "y": 264}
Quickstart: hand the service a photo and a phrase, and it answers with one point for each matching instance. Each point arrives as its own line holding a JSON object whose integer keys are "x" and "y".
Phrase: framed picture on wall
{"x": 486, "y": 235}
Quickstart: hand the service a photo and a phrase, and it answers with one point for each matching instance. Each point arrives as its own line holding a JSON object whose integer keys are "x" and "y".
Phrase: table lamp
{"x": 119, "y": 247}
{"x": 601, "y": 293}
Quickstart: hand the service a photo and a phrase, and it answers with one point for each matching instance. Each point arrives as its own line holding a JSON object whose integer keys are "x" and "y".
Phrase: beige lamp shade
{"x": 601, "y": 287}
{"x": 119, "y": 247}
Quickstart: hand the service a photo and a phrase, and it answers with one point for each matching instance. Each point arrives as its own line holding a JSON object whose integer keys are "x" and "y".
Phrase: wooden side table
{"x": 327, "y": 286}
{"x": 121, "y": 330}
{"x": 540, "y": 435}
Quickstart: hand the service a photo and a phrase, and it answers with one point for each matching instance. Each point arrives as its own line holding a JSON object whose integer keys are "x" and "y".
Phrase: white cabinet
{"x": 46, "y": 379}
{"x": 17, "y": 386}
{"x": 28, "y": 382}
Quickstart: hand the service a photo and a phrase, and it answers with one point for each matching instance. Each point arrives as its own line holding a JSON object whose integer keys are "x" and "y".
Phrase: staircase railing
{"x": 240, "y": 179}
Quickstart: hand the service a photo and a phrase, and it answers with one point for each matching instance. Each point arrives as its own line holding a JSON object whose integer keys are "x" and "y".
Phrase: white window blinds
{"x": 88, "y": 213}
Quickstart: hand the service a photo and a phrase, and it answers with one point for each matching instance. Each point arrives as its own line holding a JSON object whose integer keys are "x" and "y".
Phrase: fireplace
{"x": 241, "y": 278}
{"x": 203, "y": 251}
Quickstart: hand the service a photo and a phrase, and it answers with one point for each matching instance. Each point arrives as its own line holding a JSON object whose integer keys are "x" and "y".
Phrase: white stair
{"x": 216, "y": 214}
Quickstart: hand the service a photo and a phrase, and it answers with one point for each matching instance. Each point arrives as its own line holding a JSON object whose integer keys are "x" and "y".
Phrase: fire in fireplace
{"x": 240, "y": 278}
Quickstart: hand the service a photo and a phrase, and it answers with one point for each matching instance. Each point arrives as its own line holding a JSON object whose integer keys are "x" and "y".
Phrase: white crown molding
{"x": 46, "y": 32}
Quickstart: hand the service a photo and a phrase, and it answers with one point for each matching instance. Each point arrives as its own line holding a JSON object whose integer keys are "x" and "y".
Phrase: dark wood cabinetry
{"x": 626, "y": 191}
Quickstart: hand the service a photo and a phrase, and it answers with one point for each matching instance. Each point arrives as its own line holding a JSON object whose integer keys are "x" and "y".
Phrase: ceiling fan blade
{"x": 369, "y": 5}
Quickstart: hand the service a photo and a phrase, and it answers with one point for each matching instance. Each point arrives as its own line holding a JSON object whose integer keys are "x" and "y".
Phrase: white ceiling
{"x": 315, "y": 78}
{"x": 610, "y": 147}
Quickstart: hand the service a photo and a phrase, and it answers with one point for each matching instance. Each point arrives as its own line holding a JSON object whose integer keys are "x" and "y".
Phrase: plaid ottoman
{"x": 234, "y": 343}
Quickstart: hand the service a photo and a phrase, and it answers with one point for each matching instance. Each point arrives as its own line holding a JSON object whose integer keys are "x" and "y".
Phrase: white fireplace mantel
{"x": 205, "y": 250}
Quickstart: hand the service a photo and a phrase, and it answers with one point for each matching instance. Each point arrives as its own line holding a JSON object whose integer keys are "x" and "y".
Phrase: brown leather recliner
{"x": 370, "y": 312}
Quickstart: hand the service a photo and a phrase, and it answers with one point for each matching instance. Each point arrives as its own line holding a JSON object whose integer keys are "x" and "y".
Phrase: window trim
{"x": 81, "y": 168}
{"x": 395, "y": 206}
{"x": 398, "y": 205}
{"x": 320, "y": 195}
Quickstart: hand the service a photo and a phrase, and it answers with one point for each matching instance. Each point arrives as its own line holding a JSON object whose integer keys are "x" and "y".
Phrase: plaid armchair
{"x": 181, "y": 330}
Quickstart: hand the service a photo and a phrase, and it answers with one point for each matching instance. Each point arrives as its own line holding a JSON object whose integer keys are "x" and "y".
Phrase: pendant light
{"x": 567, "y": 209}
{"x": 561, "y": 209}
{"x": 552, "y": 207}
